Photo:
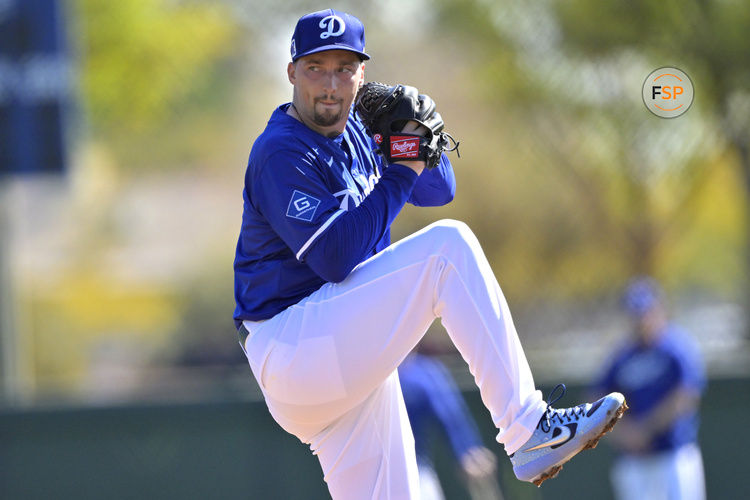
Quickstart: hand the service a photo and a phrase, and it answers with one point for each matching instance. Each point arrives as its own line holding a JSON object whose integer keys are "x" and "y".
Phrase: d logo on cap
{"x": 329, "y": 24}
{"x": 327, "y": 29}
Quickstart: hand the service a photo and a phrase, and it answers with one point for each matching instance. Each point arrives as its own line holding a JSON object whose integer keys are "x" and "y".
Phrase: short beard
{"x": 326, "y": 120}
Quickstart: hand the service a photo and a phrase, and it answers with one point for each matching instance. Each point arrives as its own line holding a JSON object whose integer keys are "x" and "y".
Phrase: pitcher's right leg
{"x": 368, "y": 453}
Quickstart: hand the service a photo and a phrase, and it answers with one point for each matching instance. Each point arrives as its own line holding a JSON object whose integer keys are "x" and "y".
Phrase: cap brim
{"x": 363, "y": 55}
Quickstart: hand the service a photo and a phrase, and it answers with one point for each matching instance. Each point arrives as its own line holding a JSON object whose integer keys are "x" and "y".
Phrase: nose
{"x": 330, "y": 81}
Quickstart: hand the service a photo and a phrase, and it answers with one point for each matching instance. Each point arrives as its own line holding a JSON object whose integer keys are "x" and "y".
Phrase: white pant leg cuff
{"x": 522, "y": 427}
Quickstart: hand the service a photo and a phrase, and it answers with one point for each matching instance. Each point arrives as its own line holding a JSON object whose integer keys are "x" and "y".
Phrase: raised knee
{"x": 451, "y": 226}
{"x": 451, "y": 231}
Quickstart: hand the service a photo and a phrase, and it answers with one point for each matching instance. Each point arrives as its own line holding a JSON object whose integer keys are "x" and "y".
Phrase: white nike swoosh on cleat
{"x": 565, "y": 436}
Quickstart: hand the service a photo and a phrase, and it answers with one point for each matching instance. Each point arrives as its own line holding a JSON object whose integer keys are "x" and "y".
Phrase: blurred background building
{"x": 117, "y": 231}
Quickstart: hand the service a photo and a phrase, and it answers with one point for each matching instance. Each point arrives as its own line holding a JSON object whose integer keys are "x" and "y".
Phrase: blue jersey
{"x": 315, "y": 207}
{"x": 431, "y": 397}
{"x": 647, "y": 374}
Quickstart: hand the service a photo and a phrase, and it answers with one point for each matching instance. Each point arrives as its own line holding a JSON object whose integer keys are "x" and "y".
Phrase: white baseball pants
{"x": 669, "y": 475}
{"x": 327, "y": 365}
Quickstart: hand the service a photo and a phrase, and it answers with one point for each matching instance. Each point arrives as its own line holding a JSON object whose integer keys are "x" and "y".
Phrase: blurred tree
{"x": 144, "y": 61}
{"x": 708, "y": 39}
{"x": 569, "y": 75}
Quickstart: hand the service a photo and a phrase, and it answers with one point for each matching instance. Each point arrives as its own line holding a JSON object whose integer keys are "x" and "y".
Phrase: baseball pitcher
{"x": 327, "y": 308}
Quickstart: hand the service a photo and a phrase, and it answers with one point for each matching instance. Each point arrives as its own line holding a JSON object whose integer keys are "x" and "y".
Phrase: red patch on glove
{"x": 404, "y": 147}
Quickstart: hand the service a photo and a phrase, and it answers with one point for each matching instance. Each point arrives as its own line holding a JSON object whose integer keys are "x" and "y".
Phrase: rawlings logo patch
{"x": 377, "y": 138}
{"x": 302, "y": 206}
{"x": 404, "y": 147}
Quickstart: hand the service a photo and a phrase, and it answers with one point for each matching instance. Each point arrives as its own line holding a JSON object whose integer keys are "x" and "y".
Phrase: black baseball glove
{"x": 385, "y": 110}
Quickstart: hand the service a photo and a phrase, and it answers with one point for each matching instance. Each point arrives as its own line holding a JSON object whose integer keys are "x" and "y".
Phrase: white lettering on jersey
{"x": 349, "y": 198}
{"x": 358, "y": 187}
{"x": 374, "y": 178}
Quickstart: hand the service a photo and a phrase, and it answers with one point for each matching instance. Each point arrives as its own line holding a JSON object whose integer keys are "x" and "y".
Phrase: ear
{"x": 291, "y": 72}
{"x": 362, "y": 75}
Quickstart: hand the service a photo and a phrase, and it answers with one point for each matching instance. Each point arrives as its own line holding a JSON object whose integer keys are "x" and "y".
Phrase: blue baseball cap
{"x": 328, "y": 30}
{"x": 640, "y": 295}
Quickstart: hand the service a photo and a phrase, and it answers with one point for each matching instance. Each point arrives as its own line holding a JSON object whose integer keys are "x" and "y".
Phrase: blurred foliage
{"x": 145, "y": 63}
{"x": 612, "y": 190}
{"x": 77, "y": 317}
{"x": 205, "y": 331}
{"x": 569, "y": 182}
{"x": 708, "y": 38}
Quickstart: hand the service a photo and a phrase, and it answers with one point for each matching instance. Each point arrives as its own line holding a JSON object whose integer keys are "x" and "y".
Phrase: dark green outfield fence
{"x": 234, "y": 450}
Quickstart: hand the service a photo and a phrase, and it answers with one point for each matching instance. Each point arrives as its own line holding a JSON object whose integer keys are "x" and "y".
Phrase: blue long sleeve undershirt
{"x": 353, "y": 235}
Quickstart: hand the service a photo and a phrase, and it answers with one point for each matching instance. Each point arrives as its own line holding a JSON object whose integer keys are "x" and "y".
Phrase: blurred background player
{"x": 433, "y": 400}
{"x": 660, "y": 372}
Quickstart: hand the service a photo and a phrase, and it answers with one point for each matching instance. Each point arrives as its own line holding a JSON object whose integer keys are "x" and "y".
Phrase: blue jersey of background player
{"x": 650, "y": 374}
{"x": 315, "y": 207}
{"x": 661, "y": 374}
{"x": 432, "y": 397}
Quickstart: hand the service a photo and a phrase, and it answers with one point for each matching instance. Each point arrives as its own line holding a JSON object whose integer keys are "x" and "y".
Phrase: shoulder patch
{"x": 302, "y": 206}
